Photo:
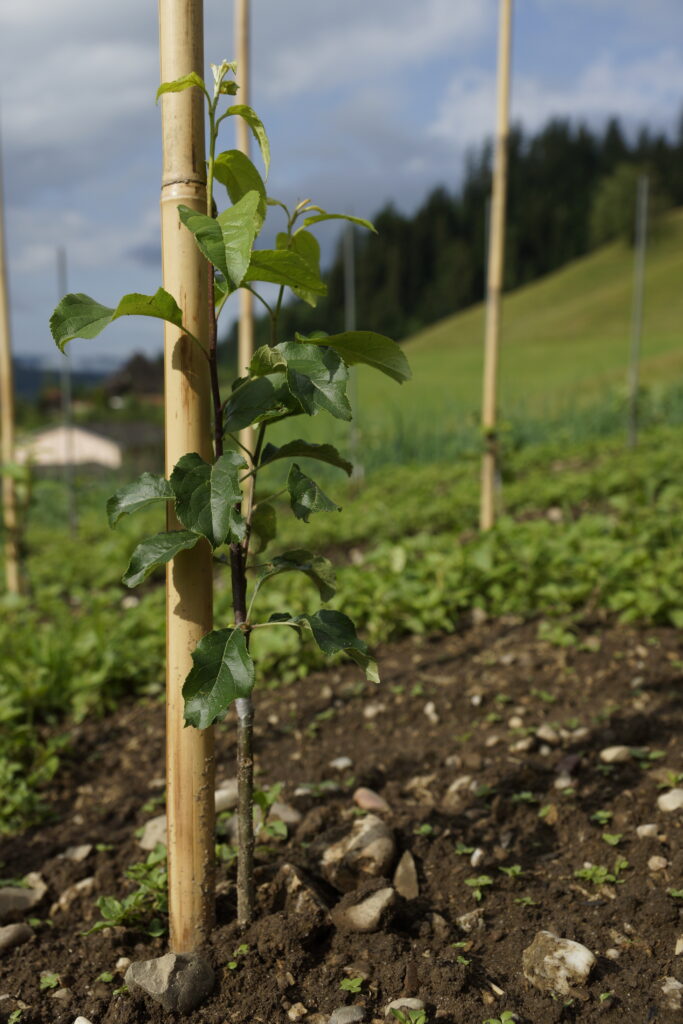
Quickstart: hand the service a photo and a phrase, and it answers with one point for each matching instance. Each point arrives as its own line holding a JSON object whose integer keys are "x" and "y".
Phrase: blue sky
{"x": 365, "y": 102}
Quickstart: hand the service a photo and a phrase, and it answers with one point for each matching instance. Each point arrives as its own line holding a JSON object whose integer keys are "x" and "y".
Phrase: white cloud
{"x": 648, "y": 90}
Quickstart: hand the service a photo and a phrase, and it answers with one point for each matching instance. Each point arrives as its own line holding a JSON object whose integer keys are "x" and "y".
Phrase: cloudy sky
{"x": 365, "y": 101}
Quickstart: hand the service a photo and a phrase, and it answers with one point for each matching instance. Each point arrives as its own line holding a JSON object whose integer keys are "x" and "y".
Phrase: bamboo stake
{"x": 189, "y": 752}
{"x": 245, "y": 334}
{"x": 637, "y": 314}
{"x": 9, "y": 498}
{"x": 495, "y": 272}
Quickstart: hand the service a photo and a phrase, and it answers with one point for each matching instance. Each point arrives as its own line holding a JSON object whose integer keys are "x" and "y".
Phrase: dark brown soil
{"x": 620, "y": 686}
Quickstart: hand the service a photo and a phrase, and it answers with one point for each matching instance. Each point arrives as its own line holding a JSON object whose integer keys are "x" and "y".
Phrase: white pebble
{"x": 430, "y": 712}
{"x": 612, "y": 954}
{"x": 371, "y": 711}
{"x": 515, "y": 722}
{"x": 523, "y": 746}
{"x": 615, "y": 755}
{"x": 341, "y": 764}
{"x": 648, "y": 831}
{"x": 475, "y": 700}
{"x": 679, "y": 946}
{"x": 671, "y": 801}
{"x": 657, "y": 863}
{"x": 546, "y": 734}
{"x": 563, "y": 781}
{"x": 477, "y": 857}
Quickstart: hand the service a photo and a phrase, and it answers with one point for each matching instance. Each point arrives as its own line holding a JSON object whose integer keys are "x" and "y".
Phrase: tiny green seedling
{"x": 526, "y": 901}
{"x": 477, "y": 884}
{"x": 598, "y": 874}
{"x": 524, "y": 797}
{"x": 612, "y": 838}
{"x": 605, "y": 996}
{"x": 462, "y": 850}
{"x": 105, "y": 976}
{"x": 677, "y": 894}
{"x": 15, "y": 1016}
{"x": 506, "y": 1017}
{"x": 423, "y": 830}
{"x": 48, "y": 980}
{"x": 514, "y": 871}
{"x": 353, "y": 985}
{"x": 410, "y": 1016}
{"x": 602, "y": 817}
{"x": 241, "y": 951}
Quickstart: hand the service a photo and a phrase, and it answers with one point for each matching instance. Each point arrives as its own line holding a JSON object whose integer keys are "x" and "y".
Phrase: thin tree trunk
{"x": 9, "y": 498}
{"x": 487, "y": 511}
{"x": 189, "y": 752}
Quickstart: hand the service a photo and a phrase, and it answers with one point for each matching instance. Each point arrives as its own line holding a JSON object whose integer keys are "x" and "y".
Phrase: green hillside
{"x": 565, "y": 339}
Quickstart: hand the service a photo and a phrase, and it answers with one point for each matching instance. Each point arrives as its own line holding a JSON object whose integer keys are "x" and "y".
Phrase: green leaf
{"x": 262, "y": 398}
{"x": 264, "y": 525}
{"x": 265, "y": 361}
{"x": 318, "y": 569}
{"x": 205, "y": 494}
{"x": 226, "y": 240}
{"x": 374, "y": 350}
{"x": 79, "y": 316}
{"x": 322, "y": 215}
{"x": 235, "y": 170}
{"x": 334, "y": 632}
{"x": 222, "y": 671}
{"x": 317, "y": 378}
{"x": 305, "y": 245}
{"x": 257, "y": 129}
{"x": 156, "y": 551}
{"x": 180, "y": 84}
{"x": 144, "y": 491}
{"x": 305, "y": 449}
{"x": 305, "y": 495}
{"x": 281, "y": 266}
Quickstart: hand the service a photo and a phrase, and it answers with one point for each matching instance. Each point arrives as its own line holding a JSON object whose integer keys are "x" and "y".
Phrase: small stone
{"x": 178, "y": 982}
{"x": 473, "y": 921}
{"x": 367, "y": 851}
{"x": 122, "y": 964}
{"x": 16, "y": 901}
{"x": 477, "y": 857}
{"x": 440, "y": 926}
{"x": 63, "y": 994}
{"x": 615, "y": 755}
{"x": 580, "y": 734}
{"x": 457, "y": 795}
{"x": 365, "y": 916}
{"x": 492, "y": 741}
{"x": 81, "y": 1020}
{"x": 679, "y": 946}
{"x": 523, "y": 746}
{"x": 154, "y": 832}
{"x": 225, "y": 797}
{"x": 405, "y": 877}
{"x": 453, "y": 761}
{"x": 370, "y": 801}
{"x": 347, "y": 1015}
{"x": 476, "y": 699}
{"x": 671, "y": 801}
{"x": 612, "y": 954}
{"x": 430, "y": 712}
{"x": 563, "y": 781}
{"x": 297, "y": 1011}
{"x": 544, "y": 750}
{"x": 73, "y": 893}
{"x": 557, "y": 965}
{"x": 404, "y": 1003}
{"x": 371, "y": 711}
{"x": 14, "y": 935}
{"x": 78, "y": 853}
{"x": 546, "y": 734}
{"x": 648, "y": 831}
{"x": 479, "y": 616}
{"x": 280, "y": 811}
{"x": 673, "y": 994}
{"x": 515, "y": 722}
{"x": 302, "y": 896}
{"x": 657, "y": 863}
{"x": 341, "y": 764}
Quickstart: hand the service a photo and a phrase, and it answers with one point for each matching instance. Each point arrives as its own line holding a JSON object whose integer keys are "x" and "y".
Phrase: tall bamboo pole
{"x": 245, "y": 334}
{"x": 189, "y": 752}
{"x": 9, "y": 498}
{"x": 637, "y": 313}
{"x": 495, "y": 271}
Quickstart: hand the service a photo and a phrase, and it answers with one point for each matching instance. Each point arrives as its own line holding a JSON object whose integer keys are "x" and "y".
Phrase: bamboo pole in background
{"x": 245, "y": 332}
{"x": 637, "y": 313}
{"x": 487, "y": 511}
{"x": 9, "y": 498}
{"x": 189, "y": 752}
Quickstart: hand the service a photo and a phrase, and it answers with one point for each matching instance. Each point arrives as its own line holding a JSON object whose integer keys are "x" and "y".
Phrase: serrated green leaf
{"x": 264, "y": 525}
{"x": 262, "y": 398}
{"x": 236, "y": 172}
{"x": 206, "y": 494}
{"x": 222, "y": 671}
{"x": 280, "y": 266}
{"x": 307, "y": 246}
{"x": 226, "y": 240}
{"x": 146, "y": 490}
{"x": 156, "y": 551}
{"x": 322, "y": 215}
{"x": 369, "y": 348}
{"x": 317, "y": 382}
{"x": 318, "y": 569}
{"x": 334, "y": 632}
{"x": 266, "y": 360}
{"x": 257, "y": 129}
{"x": 305, "y": 495}
{"x": 79, "y": 316}
{"x": 305, "y": 449}
{"x": 180, "y": 84}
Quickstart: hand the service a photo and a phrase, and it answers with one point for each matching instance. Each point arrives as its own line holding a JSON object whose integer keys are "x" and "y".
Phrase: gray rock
{"x": 557, "y": 965}
{"x": 347, "y": 1015}
{"x": 672, "y": 991}
{"x": 367, "y": 851}
{"x": 546, "y": 734}
{"x": 671, "y": 801}
{"x": 647, "y": 831}
{"x": 178, "y": 982}
{"x": 404, "y": 1003}
{"x": 368, "y": 800}
{"x": 457, "y": 795}
{"x": 16, "y": 901}
{"x": 472, "y": 921}
{"x": 14, "y": 935}
{"x": 615, "y": 755}
{"x": 365, "y": 916}
{"x": 73, "y": 893}
{"x": 405, "y": 877}
{"x": 302, "y": 896}
{"x": 226, "y": 796}
{"x": 62, "y": 994}
{"x": 78, "y": 853}
{"x": 281, "y": 811}
{"x": 154, "y": 832}
{"x": 81, "y": 1020}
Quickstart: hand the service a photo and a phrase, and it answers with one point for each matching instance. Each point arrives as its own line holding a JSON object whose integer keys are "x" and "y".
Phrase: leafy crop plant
{"x": 218, "y": 503}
